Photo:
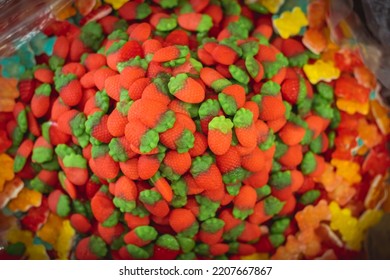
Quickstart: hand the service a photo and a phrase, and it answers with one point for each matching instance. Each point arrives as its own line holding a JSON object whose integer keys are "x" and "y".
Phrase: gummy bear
{"x": 64, "y": 243}
{"x": 272, "y": 5}
{"x": 6, "y": 170}
{"x": 311, "y": 216}
{"x": 321, "y": 71}
{"x": 51, "y": 229}
{"x": 352, "y": 107}
{"x": 8, "y": 93}
{"x": 369, "y": 133}
{"x": 10, "y": 190}
{"x": 290, "y": 23}
{"x": 25, "y": 200}
{"x": 349, "y": 170}
{"x": 311, "y": 241}
{"x": 315, "y": 40}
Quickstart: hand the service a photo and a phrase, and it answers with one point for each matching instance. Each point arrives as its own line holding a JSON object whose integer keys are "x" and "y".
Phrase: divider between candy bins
{"x": 205, "y": 129}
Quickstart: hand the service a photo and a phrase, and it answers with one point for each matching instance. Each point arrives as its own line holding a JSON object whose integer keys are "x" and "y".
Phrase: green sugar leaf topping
{"x": 270, "y": 88}
{"x": 61, "y": 80}
{"x": 201, "y": 164}
{"x": 241, "y": 214}
{"x": 239, "y": 74}
{"x": 186, "y": 244}
{"x": 243, "y": 118}
{"x": 316, "y": 145}
{"x": 263, "y": 192}
{"x": 43, "y": 90}
{"x": 231, "y": 7}
{"x": 309, "y": 197}
{"x": 298, "y": 60}
{"x": 234, "y": 233}
{"x": 146, "y": 233}
{"x": 272, "y": 205}
{"x": 277, "y": 240}
{"x": 207, "y": 209}
{"x": 117, "y": 45}
{"x": 77, "y": 124}
{"x": 191, "y": 231}
{"x": 309, "y": 163}
{"x": 325, "y": 91}
{"x": 137, "y": 252}
{"x": 97, "y": 246}
{"x": 143, "y": 11}
{"x": 168, "y": 4}
{"x": 75, "y": 160}
{"x": 177, "y": 83}
{"x": 280, "y": 180}
{"x": 252, "y": 66}
{"x": 63, "y": 150}
{"x": 124, "y": 205}
{"x": 112, "y": 220}
{"x": 149, "y": 141}
{"x": 280, "y": 225}
{"x": 205, "y": 23}
{"x": 92, "y": 121}
{"x": 220, "y": 84}
{"x": 168, "y": 241}
{"x": 233, "y": 189}
{"x": 166, "y": 24}
{"x": 63, "y": 206}
{"x": 42, "y": 154}
{"x": 249, "y": 49}
{"x": 212, "y": 225}
{"x": 222, "y": 124}
{"x": 117, "y": 151}
{"x": 185, "y": 142}
{"x": 118, "y": 34}
{"x": 149, "y": 197}
{"x": 208, "y": 108}
{"x": 92, "y": 35}
{"x": 99, "y": 151}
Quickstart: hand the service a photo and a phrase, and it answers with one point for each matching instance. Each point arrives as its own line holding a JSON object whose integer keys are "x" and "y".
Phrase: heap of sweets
{"x": 189, "y": 130}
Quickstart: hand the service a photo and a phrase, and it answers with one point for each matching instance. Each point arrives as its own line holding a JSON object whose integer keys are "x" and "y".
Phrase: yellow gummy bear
{"x": 349, "y": 170}
{"x": 37, "y": 252}
{"x": 25, "y": 200}
{"x": 6, "y": 170}
{"x": 51, "y": 229}
{"x": 343, "y": 222}
{"x": 321, "y": 71}
{"x": 65, "y": 240}
{"x": 15, "y": 235}
{"x": 290, "y": 23}
{"x": 352, "y": 107}
{"x": 272, "y": 5}
{"x": 116, "y": 4}
{"x": 369, "y": 218}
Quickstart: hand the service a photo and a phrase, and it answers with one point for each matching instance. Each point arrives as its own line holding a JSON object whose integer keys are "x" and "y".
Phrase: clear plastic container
{"x": 20, "y": 20}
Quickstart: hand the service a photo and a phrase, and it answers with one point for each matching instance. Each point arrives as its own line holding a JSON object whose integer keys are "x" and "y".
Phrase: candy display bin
{"x": 208, "y": 129}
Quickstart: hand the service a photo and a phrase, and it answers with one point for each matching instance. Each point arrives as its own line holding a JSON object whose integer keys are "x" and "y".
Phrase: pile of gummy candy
{"x": 199, "y": 129}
